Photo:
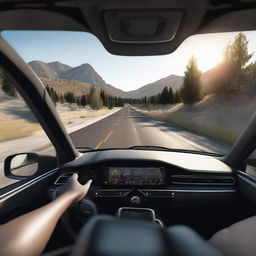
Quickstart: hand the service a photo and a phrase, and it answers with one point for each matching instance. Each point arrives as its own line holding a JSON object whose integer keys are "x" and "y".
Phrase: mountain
{"x": 42, "y": 69}
{"x": 85, "y": 73}
{"x": 156, "y": 87}
{"x": 48, "y": 70}
{"x": 58, "y": 67}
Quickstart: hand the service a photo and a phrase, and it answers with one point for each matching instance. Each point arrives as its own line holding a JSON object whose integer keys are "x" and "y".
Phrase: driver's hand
{"x": 74, "y": 188}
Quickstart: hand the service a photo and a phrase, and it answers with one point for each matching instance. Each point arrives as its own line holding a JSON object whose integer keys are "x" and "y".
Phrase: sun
{"x": 207, "y": 49}
{"x": 208, "y": 59}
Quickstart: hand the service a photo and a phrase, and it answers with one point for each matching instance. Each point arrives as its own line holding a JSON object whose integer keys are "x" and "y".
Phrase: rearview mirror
{"x": 21, "y": 166}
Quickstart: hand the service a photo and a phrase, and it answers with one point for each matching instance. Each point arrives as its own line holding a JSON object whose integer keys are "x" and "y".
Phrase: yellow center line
{"x": 108, "y": 136}
{"x": 104, "y": 140}
{"x": 99, "y": 144}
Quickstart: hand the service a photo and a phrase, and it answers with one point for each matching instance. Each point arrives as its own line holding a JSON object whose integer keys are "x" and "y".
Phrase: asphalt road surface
{"x": 127, "y": 128}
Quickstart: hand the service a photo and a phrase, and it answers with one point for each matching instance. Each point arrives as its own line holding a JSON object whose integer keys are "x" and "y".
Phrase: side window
{"x": 251, "y": 164}
{"x": 251, "y": 170}
{"x": 20, "y": 131}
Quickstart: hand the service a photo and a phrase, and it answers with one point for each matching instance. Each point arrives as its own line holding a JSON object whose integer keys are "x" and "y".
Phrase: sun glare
{"x": 208, "y": 59}
{"x": 207, "y": 49}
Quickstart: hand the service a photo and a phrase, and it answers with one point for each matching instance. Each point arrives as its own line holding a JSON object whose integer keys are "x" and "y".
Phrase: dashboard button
{"x": 112, "y": 193}
{"x": 158, "y": 193}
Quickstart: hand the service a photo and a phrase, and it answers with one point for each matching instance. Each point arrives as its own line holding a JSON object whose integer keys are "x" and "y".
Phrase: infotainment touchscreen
{"x": 135, "y": 176}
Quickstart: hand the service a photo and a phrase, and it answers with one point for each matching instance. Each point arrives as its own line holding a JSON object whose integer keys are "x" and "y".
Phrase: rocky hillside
{"x": 84, "y": 73}
{"x": 62, "y": 86}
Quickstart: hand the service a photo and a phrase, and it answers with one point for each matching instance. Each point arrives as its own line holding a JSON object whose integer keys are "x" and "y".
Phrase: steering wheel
{"x": 108, "y": 236}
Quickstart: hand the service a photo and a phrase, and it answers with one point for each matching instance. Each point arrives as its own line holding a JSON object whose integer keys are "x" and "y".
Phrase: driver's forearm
{"x": 28, "y": 234}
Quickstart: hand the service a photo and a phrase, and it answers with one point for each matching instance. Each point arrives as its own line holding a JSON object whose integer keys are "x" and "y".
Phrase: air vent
{"x": 62, "y": 179}
{"x": 202, "y": 180}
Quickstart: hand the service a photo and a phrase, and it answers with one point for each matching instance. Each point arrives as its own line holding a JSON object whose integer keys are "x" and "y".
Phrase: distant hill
{"x": 156, "y": 87}
{"x": 85, "y": 73}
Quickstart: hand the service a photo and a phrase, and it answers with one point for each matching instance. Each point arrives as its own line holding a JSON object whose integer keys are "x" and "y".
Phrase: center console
{"x": 156, "y": 187}
{"x": 137, "y": 183}
{"x": 144, "y": 214}
{"x": 129, "y": 183}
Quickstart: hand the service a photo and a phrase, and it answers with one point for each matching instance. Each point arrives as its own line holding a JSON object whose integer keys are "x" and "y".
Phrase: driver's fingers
{"x": 88, "y": 184}
{"x": 75, "y": 176}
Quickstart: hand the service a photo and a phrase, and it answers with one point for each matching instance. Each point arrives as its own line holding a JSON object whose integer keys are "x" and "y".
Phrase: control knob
{"x": 135, "y": 200}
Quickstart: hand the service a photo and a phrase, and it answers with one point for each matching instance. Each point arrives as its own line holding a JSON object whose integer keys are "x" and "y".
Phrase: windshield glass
{"x": 198, "y": 98}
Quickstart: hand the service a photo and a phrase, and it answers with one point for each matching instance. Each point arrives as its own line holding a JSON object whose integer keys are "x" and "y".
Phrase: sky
{"x": 124, "y": 72}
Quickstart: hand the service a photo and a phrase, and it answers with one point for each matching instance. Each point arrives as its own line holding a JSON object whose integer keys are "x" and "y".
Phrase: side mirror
{"x": 21, "y": 166}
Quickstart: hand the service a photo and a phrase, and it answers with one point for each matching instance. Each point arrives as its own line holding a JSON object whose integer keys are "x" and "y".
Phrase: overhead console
{"x": 142, "y": 26}
{"x": 159, "y": 27}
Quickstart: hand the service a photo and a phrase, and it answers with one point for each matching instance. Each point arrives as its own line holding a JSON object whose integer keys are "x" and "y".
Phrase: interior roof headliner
{"x": 202, "y": 16}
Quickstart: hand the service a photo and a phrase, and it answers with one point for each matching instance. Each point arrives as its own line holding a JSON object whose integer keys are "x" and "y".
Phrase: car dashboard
{"x": 175, "y": 187}
{"x": 117, "y": 174}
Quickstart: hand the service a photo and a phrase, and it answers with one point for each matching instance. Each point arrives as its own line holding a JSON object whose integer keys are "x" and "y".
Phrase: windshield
{"x": 198, "y": 98}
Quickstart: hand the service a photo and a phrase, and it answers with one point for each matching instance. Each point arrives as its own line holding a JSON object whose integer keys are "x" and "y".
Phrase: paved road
{"x": 128, "y": 128}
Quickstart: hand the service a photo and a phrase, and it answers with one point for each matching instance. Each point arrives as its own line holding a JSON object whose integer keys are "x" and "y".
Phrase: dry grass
{"x": 219, "y": 118}
{"x": 16, "y": 128}
{"x": 17, "y": 121}
{"x": 71, "y": 114}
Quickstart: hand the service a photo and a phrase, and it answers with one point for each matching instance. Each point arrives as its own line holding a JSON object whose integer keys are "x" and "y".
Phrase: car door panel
{"x": 26, "y": 196}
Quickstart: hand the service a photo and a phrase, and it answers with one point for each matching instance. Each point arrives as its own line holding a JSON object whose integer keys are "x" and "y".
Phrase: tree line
{"x": 96, "y": 100}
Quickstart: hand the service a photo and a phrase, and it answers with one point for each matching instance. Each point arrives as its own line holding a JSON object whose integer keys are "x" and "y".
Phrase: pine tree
{"x": 62, "y": 100}
{"x": 164, "y": 96}
{"x": 56, "y": 97}
{"x": 171, "y": 96}
{"x": 83, "y": 100}
{"x": 237, "y": 51}
{"x": 231, "y": 73}
{"x": 7, "y": 86}
{"x": 94, "y": 99}
{"x": 191, "y": 88}
{"x": 177, "y": 97}
{"x": 70, "y": 97}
